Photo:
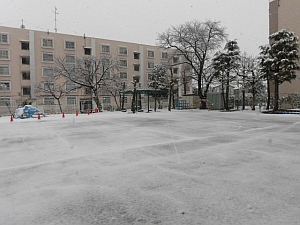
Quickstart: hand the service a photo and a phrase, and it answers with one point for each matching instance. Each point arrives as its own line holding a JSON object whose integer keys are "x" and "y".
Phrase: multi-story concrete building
{"x": 27, "y": 56}
{"x": 284, "y": 14}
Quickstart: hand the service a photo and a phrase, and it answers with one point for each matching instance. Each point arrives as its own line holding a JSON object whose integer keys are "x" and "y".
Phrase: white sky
{"x": 140, "y": 21}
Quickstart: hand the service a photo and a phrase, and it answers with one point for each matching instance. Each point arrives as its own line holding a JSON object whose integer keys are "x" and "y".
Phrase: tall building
{"x": 27, "y": 57}
{"x": 284, "y": 14}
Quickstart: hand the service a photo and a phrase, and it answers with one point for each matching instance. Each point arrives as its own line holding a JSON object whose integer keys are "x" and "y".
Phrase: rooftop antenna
{"x": 22, "y": 26}
{"x": 55, "y": 13}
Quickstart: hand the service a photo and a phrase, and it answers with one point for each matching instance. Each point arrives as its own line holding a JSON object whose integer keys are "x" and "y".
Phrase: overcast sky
{"x": 140, "y": 21}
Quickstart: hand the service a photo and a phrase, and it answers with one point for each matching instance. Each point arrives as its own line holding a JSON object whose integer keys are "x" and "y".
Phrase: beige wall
{"x": 15, "y": 61}
{"x": 17, "y": 35}
{"x": 285, "y": 14}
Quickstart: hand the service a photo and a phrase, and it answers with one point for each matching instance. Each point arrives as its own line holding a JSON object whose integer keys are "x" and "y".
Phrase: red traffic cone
{"x": 63, "y": 115}
{"x": 39, "y": 116}
{"x": 11, "y": 118}
{"x": 76, "y": 112}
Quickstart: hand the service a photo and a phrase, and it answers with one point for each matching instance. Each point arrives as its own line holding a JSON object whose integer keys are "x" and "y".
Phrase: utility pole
{"x": 55, "y": 13}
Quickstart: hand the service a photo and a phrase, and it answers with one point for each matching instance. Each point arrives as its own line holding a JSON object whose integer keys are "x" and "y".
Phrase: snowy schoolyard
{"x": 182, "y": 167}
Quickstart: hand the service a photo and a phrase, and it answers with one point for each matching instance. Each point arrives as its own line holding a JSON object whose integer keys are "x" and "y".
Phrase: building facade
{"x": 284, "y": 14}
{"x": 27, "y": 57}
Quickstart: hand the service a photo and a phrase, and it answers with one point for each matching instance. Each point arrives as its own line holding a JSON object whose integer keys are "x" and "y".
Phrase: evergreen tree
{"x": 279, "y": 60}
{"x": 158, "y": 81}
{"x": 225, "y": 64}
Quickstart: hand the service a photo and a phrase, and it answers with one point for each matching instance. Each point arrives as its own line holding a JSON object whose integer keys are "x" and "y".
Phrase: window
{"x": 70, "y": 45}
{"x": 24, "y": 45}
{"x": 136, "y": 67}
{"x": 47, "y": 57}
{"x": 105, "y": 62}
{"x": 123, "y": 50}
{"x": 105, "y": 48}
{"x": 48, "y": 101}
{"x": 87, "y": 51}
{"x": 125, "y": 99}
{"x": 71, "y": 100}
{"x": 165, "y": 99}
{"x": 47, "y": 42}
{"x": 175, "y": 70}
{"x": 123, "y": 75}
{"x": 164, "y": 55}
{"x": 4, "y": 38}
{"x": 151, "y": 99}
{"x": 106, "y": 75}
{"x": 136, "y": 55}
{"x": 4, "y": 54}
{"x": 175, "y": 59}
{"x": 4, "y": 86}
{"x": 70, "y": 59}
{"x": 25, "y": 75}
{"x": 4, "y": 70}
{"x": 88, "y": 91}
{"x": 25, "y": 60}
{"x": 26, "y": 90}
{"x": 123, "y": 62}
{"x": 5, "y": 101}
{"x": 48, "y": 71}
{"x": 106, "y": 100}
{"x": 150, "y": 65}
{"x": 149, "y": 76}
{"x": 70, "y": 87}
{"x": 150, "y": 54}
{"x": 49, "y": 86}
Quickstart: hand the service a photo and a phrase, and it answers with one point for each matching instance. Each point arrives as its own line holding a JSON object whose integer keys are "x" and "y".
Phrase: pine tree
{"x": 224, "y": 64}
{"x": 158, "y": 81}
{"x": 279, "y": 60}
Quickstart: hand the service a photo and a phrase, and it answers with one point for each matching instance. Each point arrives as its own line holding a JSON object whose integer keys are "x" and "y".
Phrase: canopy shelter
{"x": 148, "y": 92}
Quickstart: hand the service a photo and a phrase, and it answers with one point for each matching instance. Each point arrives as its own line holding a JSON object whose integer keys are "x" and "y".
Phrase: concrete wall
{"x": 36, "y": 50}
{"x": 285, "y": 14}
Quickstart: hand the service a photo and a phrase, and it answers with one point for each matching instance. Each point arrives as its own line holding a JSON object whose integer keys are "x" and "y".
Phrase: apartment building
{"x": 27, "y": 57}
{"x": 284, "y": 14}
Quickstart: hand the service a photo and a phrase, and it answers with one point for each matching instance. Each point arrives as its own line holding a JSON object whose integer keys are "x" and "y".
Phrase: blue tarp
{"x": 28, "y": 111}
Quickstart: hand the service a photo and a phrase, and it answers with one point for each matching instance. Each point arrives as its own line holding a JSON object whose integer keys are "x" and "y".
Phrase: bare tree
{"x": 56, "y": 86}
{"x": 196, "y": 42}
{"x": 114, "y": 87}
{"x": 186, "y": 77}
{"x": 88, "y": 72}
{"x": 252, "y": 77}
{"x": 245, "y": 66}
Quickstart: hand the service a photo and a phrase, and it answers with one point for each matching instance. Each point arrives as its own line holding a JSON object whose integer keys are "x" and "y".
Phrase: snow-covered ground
{"x": 180, "y": 167}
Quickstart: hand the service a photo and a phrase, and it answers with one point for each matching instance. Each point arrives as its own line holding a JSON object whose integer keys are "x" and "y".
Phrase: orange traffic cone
{"x": 63, "y": 115}
{"x": 76, "y": 112}
{"x": 39, "y": 116}
{"x": 11, "y": 118}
